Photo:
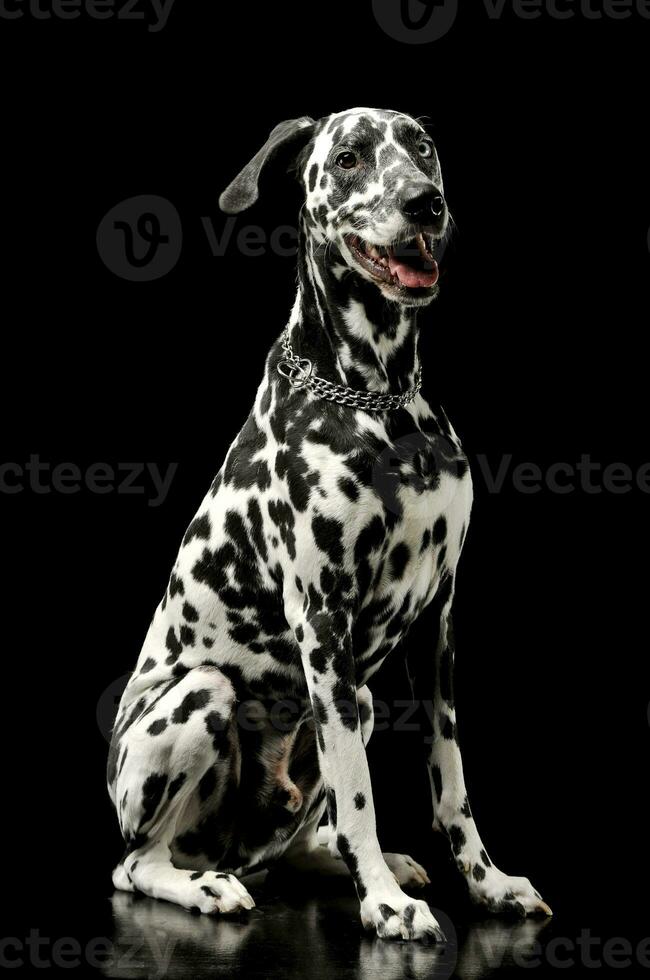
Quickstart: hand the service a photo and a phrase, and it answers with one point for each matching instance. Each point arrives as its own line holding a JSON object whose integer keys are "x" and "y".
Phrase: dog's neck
{"x": 343, "y": 324}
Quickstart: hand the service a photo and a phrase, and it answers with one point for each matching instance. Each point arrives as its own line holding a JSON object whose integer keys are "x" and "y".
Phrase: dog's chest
{"x": 424, "y": 539}
{"x": 420, "y": 504}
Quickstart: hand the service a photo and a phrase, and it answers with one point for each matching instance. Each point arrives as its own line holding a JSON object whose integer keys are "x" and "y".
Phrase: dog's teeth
{"x": 423, "y": 247}
{"x": 374, "y": 252}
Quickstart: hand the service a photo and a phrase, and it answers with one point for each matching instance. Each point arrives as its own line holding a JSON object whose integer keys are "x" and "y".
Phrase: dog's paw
{"x": 409, "y": 873}
{"x": 401, "y": 917}
{"x": 503, "y": 895}
{"x": 215, "y": 893}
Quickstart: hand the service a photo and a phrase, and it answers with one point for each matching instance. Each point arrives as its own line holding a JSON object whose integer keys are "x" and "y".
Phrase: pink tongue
{"x": 410, "y": 277}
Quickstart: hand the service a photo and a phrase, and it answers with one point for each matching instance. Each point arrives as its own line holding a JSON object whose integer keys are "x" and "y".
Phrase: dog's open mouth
{"x": 406, "y": 265}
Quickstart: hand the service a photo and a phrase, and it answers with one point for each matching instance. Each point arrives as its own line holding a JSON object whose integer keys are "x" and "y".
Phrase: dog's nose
{"x": 422, "y": 203}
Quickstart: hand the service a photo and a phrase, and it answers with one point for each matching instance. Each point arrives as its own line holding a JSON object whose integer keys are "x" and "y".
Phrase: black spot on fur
{"x": 386, "y": 911}
{"x": 283, "y": 517}
{"x": 282, "y": 650}
{"x": 175, "y": 648}
{"x": 257, "y": 528}
{"x": 152, "y": 792}
{"x": 359, "y": 801}
{"x": 244, "y": 469}
{"x": 199, "y": 528}
{"x": 318, "y": 660}
{"x": 408, "y": 915}
{"x": 190, "y": 613}
{"x": 187, "y": 636}
{"x": 315, "y": 599}
{"x": 447, "y": 727}
{"x": 176, "y": 586}
{"x": 207, "y": 784}
{"x": 327, "y": 580}
{"x": 457, "y": 838}
{"x": 350, "y": 859}
{"x": 399, "y": 557}
{"x": 439, "y": 530}
{"x": 320, "y": 712}
{"x": 210, "y": 569}
{"x": 328, "y": 535}
{"x": 175, "y": 785}
{"x": 369, "y": 539}
{"x": 349, "y": 488}
{"x": 193, "y": 701}
{"x": 158, "y": 726}
{"x": 243, "y": 633}
{"x": 217, "y": 728}
{"x": 292, "y": 467}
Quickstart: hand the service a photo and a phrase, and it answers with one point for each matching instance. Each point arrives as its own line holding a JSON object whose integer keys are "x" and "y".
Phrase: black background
{"x": 536, "y": 348}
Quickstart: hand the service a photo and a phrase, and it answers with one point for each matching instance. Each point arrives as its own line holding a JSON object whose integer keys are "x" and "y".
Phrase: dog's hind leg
{"x": 184, "y": 740}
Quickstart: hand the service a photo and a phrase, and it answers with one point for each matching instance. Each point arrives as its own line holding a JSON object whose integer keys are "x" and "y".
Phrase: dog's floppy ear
{"x": 244, "y": 189}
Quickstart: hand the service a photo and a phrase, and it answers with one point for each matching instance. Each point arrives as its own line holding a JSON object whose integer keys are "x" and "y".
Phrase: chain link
{"x": 299, "y": 373}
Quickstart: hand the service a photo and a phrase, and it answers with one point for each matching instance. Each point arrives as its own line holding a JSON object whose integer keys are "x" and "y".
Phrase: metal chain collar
{"x": 299, "y": 373}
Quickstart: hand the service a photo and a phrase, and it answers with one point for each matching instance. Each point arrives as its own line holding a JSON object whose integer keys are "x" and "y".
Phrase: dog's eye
{"x": 346, "y": 161}
{"x": 425, "y": 149}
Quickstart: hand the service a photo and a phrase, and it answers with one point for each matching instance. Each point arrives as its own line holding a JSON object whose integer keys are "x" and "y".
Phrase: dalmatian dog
{"x": 338, "y": 515}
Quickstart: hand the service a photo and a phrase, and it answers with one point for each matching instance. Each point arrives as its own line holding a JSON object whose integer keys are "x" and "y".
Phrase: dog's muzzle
{"x": 406, "y": 265}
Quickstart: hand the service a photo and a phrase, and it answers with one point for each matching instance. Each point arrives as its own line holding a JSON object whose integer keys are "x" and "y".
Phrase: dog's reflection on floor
{"x": 298, "y": 933}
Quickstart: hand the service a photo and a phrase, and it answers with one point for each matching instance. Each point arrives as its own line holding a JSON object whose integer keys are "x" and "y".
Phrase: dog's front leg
{"x": 488, "y": 885}
{"x": 326, "y": 653}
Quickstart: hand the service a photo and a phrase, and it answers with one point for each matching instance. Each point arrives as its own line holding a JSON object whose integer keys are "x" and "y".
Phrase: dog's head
{"x": 373, "y": 195}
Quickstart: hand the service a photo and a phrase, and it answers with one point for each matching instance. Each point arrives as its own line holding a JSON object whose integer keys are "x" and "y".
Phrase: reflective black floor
{"x": 307, "y": 929}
